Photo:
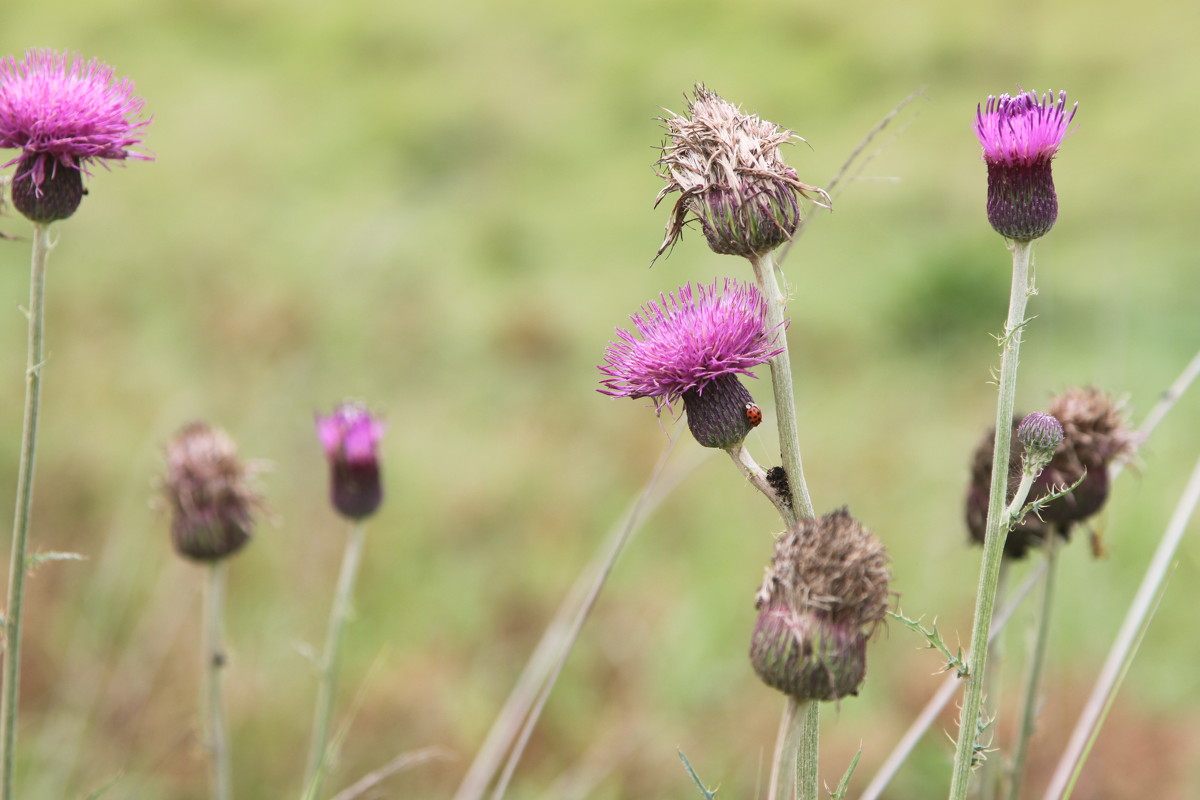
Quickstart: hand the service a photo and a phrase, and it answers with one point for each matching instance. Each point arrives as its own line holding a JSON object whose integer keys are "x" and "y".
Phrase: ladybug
{"x": 753, "y": 414}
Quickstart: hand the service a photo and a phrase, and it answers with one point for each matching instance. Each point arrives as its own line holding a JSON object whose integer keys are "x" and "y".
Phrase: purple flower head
{"x": 62, "y": 113}
{"x": 1022, "y": 130}
{"x": 350, "y": 436}
{"x": 1020, "y": 136}
{"x": 689, "y": 339}
{"x": 693, "y": 345}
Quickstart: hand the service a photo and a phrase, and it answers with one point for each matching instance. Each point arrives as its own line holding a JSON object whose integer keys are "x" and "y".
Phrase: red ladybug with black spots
{"x": 753, "y": 415}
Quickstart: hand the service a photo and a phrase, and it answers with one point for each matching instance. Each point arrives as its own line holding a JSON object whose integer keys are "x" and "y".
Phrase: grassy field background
{"x": 444, "y": 209}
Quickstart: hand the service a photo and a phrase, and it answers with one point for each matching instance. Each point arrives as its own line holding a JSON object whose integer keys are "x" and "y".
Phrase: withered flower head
{"x": 823, "y": 596}
{"x": 209, "y": 493}
{"x": 1094, "y": 435}
{"x": 729, "y": 174}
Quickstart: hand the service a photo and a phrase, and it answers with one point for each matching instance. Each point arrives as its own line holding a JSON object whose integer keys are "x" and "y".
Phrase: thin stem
{"x": 781, "y": 764}
{"x": 991, "y": 688}
{"x": 758, "y": 478}
{"x": 1036, "y": 659}
{"x": 808, "y": 752}
{"x": 318, "y": 753}
{"x": 20, "y": 540}
{"x": 214, "y": 662}
{"x": 995, "y": 531}
{"x": 781, "y": 380}
{"x": 1120, "y": 655}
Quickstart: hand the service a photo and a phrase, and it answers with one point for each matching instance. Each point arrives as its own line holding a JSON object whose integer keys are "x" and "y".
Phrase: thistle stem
{"x": 214, "y": 662}
{"x": 758, "y": 478}
{"x": 1036, "y": 660}
{"x": 781, "y": 380}
{"x": 995, "y": 531}
{"x": 20, "y": 539}
{"x": 991, "y": 772}
{"x": 318, "y": 753}
{"x": 808, "y": 752}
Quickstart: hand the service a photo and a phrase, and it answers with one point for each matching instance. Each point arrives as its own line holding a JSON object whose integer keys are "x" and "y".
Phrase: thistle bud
{"x": 350, "y": 436}
{"x": 208, "y": 490}
{"x": 1020, "y": 137}
{"x": 823, "y": 596}
{"x": 1040, "y": 434}
{"x": 729, "y": 174}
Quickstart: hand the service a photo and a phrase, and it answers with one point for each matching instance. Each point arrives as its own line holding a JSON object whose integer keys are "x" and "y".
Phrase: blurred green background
{"x": 443, "y": 210}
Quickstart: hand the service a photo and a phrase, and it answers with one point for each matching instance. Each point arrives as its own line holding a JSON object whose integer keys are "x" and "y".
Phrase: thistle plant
{"x": 63, "y": 114}
{"x": 350, "y": 437}
{"x": 1019, "y": 137}
{"x": 212, "y": 508}
{"x": 729, "y": 174}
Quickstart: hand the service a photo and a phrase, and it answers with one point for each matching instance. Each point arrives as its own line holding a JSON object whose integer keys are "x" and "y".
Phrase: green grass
{"x": 444, "y": 210}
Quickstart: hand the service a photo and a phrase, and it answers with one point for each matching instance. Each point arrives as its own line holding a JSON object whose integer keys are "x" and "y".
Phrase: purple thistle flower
{"x": 62, "y": 113}
{"x": 694, "y": 343}
{"x": 350, "y": 436}
{"x": 1020, "y": 136}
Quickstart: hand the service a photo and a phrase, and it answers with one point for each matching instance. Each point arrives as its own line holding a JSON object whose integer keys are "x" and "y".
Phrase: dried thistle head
{"x": 728, "y": 172}
{"x": 208, "y": 490}
{"x": 1095, "y": 434}
{"x": 823, "y": 596}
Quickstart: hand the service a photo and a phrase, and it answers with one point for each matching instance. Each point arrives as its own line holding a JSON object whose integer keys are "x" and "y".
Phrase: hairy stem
{"x": 808, "y": 752}
{"x": 318, "y": 753}
{"x": 214, "y": 662}
{"x": 20, "y": 539}
{"x": 995, "y": 531}
{"x": 781, "y": 381}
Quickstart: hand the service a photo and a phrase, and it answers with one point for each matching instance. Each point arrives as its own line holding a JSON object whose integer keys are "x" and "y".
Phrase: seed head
{"x": 350, "y": 436}
{"x": 1020, "y": 136}
{"x": 208, "y": 491}
{"x": 63, "y": 113}
{"x": 729, "y": 175}
{"x": 823, "y": 596}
